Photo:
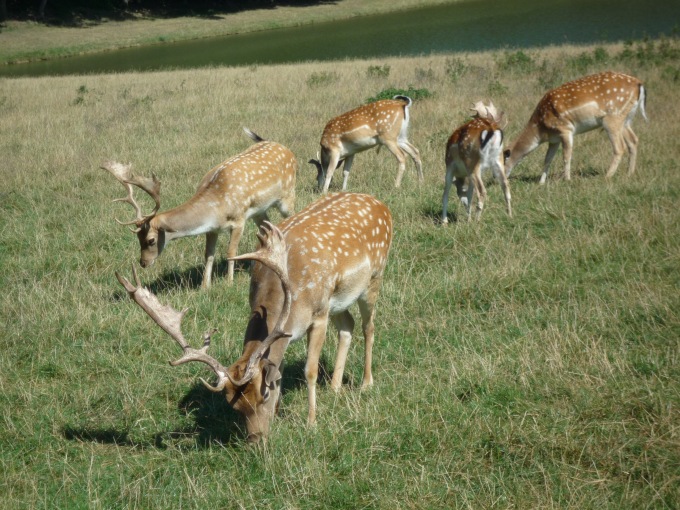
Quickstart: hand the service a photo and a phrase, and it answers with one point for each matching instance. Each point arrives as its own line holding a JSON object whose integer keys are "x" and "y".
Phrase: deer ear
{"x": 271, "y": 374}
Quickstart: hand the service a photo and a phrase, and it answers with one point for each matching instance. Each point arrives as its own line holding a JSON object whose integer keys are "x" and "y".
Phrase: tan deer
{"x": 473, "y": 147}
{"x": 311, "y": 268}
{"x": 383, "y": 122}
{"x": 244, "y": 186}
{"x": 608, "y": 100}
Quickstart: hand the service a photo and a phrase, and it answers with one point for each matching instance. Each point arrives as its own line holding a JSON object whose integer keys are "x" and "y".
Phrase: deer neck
{"x": 189, "y": 219}
{"x": 526, "y": 142}
{"x": 266, "y": 303}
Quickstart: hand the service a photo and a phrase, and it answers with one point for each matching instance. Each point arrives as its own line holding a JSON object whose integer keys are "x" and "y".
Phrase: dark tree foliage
{"x": 71, "y": 11}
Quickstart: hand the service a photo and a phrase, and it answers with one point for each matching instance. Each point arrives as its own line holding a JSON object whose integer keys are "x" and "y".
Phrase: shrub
{"x": 517, "y": 61}
{"x": 389, "y": 93}
{"x": 322, "y": 79}
{"x": 455, "y": 68}
{"x": 378, "y": 71}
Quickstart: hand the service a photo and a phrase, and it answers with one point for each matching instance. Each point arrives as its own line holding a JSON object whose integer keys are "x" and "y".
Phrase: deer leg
{"x": 345, "y": 325}
{"x": 367, "y": 310}
{"x": 614, "y": 129}
{"x": 232, "y": 249}
{"x": 631, "y": 140}
{"x": 469, "y": 194}
{"x": 345, "y": 170}
{"x": 332, "y": 165}
{"x": 394, "y": 149}
{"x": 500, "y": 176}
{"x": 210, "y": 244}
{"x": 315, "y": 339}
{"x": 479, "y": 189}
{"x": 552, "y": 150}
{"x": 447, "y": 188}
{"x": 412, "y": 151}
{"x": 567, "y": 148}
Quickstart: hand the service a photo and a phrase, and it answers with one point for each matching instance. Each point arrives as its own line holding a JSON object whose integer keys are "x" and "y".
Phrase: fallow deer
{"x": 473, "y": 147}
{"x": 311, "y": 268}
{"x": 608, "y": 100}
{"x": 383, "y": 122}
{"x": 244, "y": 186}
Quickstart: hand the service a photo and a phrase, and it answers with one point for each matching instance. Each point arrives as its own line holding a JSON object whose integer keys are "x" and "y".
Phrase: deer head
{"x": 151, "y": 239}
{"x": 252, "y": 384}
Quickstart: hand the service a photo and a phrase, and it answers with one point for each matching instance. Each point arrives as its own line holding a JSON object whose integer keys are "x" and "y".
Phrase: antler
{"x": 170, "y": 320}
{"x": 151, "y": 185}
{"x": 489, "y": 112}
{"x": 273, "y": 253}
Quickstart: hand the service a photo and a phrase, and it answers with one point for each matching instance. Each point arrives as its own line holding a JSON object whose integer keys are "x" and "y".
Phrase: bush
{"x": 378, "y": 71}
{"x": 517, "y": 61}
{"x": 414, "y": 94}
{"x": 322, "y": 79}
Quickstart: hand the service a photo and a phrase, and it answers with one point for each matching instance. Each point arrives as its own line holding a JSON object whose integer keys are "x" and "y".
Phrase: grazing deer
{"x": 311, "y": 268}
{"x": 379, "y": 123}
{"x": 608, "y": 100}
{"x": 474, "y": 146}
{"x": 244, "y": 186}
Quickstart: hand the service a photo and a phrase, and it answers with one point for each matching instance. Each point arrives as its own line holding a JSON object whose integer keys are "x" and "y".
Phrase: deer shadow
{"x": 190, "y": 278}
{"x": 214, "y": 422}
{"x": 434, "y": 214}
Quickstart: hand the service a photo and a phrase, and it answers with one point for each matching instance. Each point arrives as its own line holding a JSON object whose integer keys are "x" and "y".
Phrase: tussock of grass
{"x": 528, "y": 362}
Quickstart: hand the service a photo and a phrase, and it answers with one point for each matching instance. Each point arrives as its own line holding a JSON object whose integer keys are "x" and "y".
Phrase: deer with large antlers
{"x": 244, "y": 186}
{"x": 310, "y": 269}
{"x": 383, "y": 122}
{"x": 473, "y": 147}
{"x": 606, "y": 100}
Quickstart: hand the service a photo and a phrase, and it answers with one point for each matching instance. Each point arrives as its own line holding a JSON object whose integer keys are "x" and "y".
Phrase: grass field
{"x": 529, "y": 362}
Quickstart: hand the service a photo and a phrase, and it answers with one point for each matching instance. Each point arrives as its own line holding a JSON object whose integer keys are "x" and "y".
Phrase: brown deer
{"x": 311, "y": 268}
{"x": 244, "y": 186}
{"x": 383, "y": 122}
{"x": 473, "y": 147}
{"x": 608, "y": 100}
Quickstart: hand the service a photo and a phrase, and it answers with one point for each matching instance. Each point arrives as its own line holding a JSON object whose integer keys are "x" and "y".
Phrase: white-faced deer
{"x": 383, "y": 122}
{"x": 608, "y": 100}
{"x": 308, "y": 270}
{"x": 244, "y": 186}
{"x": 473, "y": 147}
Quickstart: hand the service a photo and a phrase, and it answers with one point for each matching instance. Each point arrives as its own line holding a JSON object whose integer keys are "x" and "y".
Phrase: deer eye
{"x": 152, "y": 241}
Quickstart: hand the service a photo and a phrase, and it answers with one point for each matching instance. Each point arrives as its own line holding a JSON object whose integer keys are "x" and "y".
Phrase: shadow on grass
{"x": 215, "y": 422}
{"x": 434, "y": 213}
{"x": 189, "y": 278}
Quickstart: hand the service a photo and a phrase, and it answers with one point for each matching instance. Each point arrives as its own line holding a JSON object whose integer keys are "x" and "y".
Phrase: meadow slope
{"x": 529, "y": 362}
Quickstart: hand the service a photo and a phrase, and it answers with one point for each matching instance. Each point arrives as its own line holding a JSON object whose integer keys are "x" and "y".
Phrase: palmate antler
{"x": 273, "y": 253}
{"x": 170, "y": 320}
{"x": 489, "y": 112}
{"x": 123, "y": 173}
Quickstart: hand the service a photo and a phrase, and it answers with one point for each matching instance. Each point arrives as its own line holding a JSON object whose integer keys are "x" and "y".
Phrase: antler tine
{"x": 123, "y": 173}
{"x": 170, "y": 321}
{"x": 273, "y": 253}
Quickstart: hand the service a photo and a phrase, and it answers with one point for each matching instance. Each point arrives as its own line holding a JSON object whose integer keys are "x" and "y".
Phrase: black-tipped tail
{"x": 253, "y": 135}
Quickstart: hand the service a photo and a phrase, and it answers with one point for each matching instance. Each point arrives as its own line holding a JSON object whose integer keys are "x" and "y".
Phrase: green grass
{"x": 529, "y": 362}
